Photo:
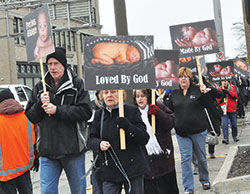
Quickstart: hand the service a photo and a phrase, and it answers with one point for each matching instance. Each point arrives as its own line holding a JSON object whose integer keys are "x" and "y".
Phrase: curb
{"x": 236, "y": 185}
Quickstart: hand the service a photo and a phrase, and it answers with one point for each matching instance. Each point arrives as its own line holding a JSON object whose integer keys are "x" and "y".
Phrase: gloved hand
{"x": 153, "y": 109}
{"x": 123, "y": 122}
{"x": 225, "y": 92}
{"x": 35, "y": 166}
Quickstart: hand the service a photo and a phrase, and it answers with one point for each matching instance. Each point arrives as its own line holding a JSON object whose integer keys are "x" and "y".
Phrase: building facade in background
{"x": 71, "y": 20}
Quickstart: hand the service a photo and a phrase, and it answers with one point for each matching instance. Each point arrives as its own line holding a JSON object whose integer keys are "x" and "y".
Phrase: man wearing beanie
{"x": 17, "y": 139}
{"x": 58, "y": 112}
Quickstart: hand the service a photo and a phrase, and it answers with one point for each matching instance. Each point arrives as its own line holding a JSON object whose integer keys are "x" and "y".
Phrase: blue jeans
{"x": 51, "y": 169}
{"x": 193, "y": 143}
{"x": 137, "y": 186}
{"x": 232, "y": 116}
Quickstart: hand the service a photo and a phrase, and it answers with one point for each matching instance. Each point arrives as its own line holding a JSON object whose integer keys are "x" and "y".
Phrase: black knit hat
{"x": 6, "y": 94}
{"x": 60, "y": 55}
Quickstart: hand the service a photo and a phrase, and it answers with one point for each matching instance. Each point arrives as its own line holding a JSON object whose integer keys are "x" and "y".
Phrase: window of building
{"x": 82, "y": 36}
{"x": 73, "y": 41}
{"x": 63, "y": 40}
{"x": 21, "y": 30}
{"x": 93, "y": 15}
{"x": 68, "y": 41}
{"x": 29, "y": 69}
{"x": 58, "y": 39}
{"x": 16, "y": 29}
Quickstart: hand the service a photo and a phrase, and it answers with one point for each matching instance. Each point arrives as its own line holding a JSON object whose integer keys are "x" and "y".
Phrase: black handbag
{"x": 212, "y": 138}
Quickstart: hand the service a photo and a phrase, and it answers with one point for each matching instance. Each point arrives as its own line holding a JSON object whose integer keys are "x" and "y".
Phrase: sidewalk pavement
{"x": 214, "y": 165}
{"x": 221, "y": 151}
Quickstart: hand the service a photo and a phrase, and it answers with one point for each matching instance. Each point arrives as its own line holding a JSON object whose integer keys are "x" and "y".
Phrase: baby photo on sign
{"x": 119, "y": 62}
{"x": 194, "y": 39}
{"x": 38, "y": 34}
{"x": 219, "y": 71}
{"x": 241, "y": 68}
{"x": 166, "y": 68}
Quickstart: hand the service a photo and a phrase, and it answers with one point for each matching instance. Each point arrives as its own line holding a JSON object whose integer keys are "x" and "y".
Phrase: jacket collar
{"x": 66, "y": 82}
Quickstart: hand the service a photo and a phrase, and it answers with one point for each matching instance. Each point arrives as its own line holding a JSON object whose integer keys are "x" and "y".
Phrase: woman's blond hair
{"x": 187, "y": 71}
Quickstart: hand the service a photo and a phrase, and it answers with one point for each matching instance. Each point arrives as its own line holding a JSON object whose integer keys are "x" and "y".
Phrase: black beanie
{"x": 6, "y": 94}
{"x": 60, "y": 55}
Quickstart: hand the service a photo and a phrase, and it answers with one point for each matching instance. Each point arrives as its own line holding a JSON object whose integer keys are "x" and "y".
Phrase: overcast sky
{"x": 153, "y": 17}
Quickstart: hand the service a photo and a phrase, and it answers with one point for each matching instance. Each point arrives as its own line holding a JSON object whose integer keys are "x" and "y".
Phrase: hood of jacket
{"x": 65, "y": 82}
{"x": 10, "y": 106}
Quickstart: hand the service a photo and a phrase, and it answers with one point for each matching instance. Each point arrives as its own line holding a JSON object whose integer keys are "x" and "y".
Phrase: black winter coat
{"x": 58, "y": 135}
{"x": 132, "y": 158}
{"x": 190, "y": 116}
{"x": 210, "y": 103}
{"x": 164, "y": 163}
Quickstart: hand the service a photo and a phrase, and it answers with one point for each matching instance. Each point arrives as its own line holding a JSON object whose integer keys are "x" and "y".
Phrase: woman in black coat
{"x": 161, "y": 179}
{"x": 119, "y": 167}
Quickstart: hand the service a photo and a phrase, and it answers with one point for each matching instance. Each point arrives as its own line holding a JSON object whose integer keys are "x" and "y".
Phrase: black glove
{"x": 123, "y": 122}
{"x": 35, "y": 166}
{"x": 225, "y": 92}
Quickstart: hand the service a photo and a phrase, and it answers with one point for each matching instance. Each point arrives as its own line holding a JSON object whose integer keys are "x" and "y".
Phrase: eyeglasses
{"x": 183, "y": 76}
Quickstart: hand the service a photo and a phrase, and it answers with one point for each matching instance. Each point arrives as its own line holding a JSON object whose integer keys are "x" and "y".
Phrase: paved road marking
{"x": 208, "y": 157}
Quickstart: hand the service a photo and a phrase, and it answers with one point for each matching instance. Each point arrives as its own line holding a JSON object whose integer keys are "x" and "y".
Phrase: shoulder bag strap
{"x": 210, "y": 122}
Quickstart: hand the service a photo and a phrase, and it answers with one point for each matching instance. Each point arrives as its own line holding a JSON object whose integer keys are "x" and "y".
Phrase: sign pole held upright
{"x": 42, "y": 74}
{"x": 153, "y": 116}
{"x": 199, "y": 69}
{"x": 121, "y": 114}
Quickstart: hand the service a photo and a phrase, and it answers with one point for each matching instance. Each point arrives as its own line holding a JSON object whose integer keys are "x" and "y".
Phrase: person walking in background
{"x": 230, "y": 103}
{"x": 17, "y": 140}
{"x": 241, "y": 84}
{"x": 215, "y": 113}
{"x": 191, "y": 128}
{"x": 159, "y": 150}
{"x": 119, "y": 167}
{"x": 61, "y": 142}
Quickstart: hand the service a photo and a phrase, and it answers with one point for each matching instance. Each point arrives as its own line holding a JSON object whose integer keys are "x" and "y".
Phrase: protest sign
{"x": 38, "y": 34}
{"x": 194, "y": 39}
{"x": 119, "y": 62}
{"x": 166, "y": 68}
{"x": 220, "y": 71}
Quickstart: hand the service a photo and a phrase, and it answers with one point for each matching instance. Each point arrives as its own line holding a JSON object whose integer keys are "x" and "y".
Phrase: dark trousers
{"x": 166, "y": 184}
{"x": 22, "y": 184}
{"x": 96, "y": 181}
{"x": 211, "y": 149}
{"x": 137, "y": 186}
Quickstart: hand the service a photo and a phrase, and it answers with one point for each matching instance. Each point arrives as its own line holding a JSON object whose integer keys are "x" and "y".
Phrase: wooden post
{"x": 199, "y": 69}
{"x": 42, "y": 74}
{"x": 153, "y": 116}
{"x": 121, "y": 114}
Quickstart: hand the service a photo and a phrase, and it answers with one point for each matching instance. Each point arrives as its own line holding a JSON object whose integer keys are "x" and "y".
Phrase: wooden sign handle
{"x": 42, "y": 74}
{"x": 153, "y": 116}
{"x": 121, "y": 114}
{"x": 199, "y": 69}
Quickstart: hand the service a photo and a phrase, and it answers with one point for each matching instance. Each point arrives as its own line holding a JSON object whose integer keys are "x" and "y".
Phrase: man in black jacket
{"x": 58, "y": 112}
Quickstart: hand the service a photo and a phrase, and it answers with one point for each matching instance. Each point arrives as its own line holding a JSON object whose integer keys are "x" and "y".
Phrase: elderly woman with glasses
{"x": 191, "y": 128}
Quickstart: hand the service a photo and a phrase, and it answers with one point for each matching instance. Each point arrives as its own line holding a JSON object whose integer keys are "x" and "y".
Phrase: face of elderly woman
{"x": 110, "y": 98}
{"x": 184, "y": 81}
